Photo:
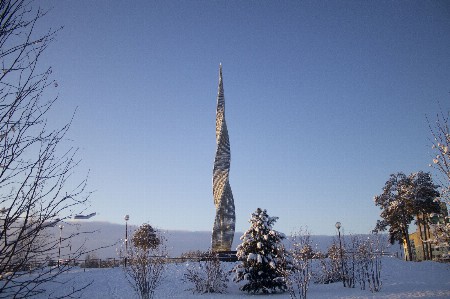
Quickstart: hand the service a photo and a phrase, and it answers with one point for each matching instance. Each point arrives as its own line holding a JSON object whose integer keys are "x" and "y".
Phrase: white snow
{"x": 400, "y": 280}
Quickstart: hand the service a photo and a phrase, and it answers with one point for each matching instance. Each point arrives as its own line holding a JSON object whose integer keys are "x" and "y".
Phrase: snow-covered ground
{"x": 400, "y": 280}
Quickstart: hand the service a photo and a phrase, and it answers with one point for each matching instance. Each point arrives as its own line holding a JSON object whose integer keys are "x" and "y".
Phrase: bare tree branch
{"x": 35, "y": 175}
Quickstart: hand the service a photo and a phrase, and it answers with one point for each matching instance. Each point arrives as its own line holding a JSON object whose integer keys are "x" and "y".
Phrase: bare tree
{"x": 35, "y": 166}
{"x": 146, "y": 256}
{"x": 440, "y": 131}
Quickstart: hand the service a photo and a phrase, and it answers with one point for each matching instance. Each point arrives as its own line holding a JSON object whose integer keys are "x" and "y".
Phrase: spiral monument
{"x": 223, "y": 230}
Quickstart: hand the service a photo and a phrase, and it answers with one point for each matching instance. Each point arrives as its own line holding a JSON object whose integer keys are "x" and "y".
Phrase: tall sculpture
{"x": 223, "y": 230}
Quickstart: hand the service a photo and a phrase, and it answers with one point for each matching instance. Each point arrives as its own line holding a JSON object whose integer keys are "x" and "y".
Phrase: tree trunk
{"x": 420, "y": 234}
{"x": 427, "y": 237}
{"x": 408, "y": 244}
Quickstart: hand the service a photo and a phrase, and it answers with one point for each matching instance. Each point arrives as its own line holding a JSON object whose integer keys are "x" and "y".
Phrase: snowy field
{"x": 400, "y": 280}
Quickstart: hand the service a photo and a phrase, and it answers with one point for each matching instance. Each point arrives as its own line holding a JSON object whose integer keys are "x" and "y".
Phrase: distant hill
{"x": 106, "y": 238}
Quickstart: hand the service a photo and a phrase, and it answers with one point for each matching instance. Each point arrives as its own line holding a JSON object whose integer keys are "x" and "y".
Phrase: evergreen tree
{"x": 403, "y": 198}
{"x": 397, "y": 209}
{"x": 425, "y": 196}
{"x": 262, "y": 255}
{"x": 425, "y": 193}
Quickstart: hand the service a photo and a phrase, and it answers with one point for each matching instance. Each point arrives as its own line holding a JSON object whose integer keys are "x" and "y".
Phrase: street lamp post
{"x": 338, "y": 226}
{"x": 70, "y": 253}
{"x": 3, "y": 212}
{"x": 59, "y": 248}
{"x": 127, "y": 217}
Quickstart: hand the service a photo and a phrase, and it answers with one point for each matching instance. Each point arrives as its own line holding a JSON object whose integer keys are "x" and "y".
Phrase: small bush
{"x": 299, "y": 275}
{"x": 207, "y": 275}
{"x": 329, "y": 265}
{"x": 146, "y": 257}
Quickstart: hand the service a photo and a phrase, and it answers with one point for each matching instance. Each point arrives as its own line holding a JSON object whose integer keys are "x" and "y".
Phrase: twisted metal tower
{"x": 223, "y": 230}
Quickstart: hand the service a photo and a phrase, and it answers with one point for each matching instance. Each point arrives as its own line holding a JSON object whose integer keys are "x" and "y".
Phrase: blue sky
{"x": 324, "y": 99}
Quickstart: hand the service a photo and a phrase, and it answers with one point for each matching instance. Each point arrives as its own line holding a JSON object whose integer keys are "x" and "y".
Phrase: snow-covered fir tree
{"x": 262, "y": 255}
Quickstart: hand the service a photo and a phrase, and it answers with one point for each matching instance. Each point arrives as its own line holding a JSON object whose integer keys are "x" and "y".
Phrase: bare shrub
{"x": 371, "y": 258}
{"x": 330, "y": 269}
{"x": 299, "y": 275}
{"x": 207, "y": 275}
{"x": 146, "y": 261}
{"x": 350, "y": 262}
{"x": 363, "y": 262}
